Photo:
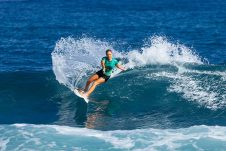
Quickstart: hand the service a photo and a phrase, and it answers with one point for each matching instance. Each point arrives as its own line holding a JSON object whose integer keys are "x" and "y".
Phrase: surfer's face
{"x": 109, "y": 55}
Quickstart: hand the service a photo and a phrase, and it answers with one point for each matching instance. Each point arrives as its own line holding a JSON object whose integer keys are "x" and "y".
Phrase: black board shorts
{"x": 101, "y": 74}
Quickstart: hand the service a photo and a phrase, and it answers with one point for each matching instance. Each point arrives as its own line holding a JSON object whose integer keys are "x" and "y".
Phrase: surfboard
{"x": 76, "y": 91}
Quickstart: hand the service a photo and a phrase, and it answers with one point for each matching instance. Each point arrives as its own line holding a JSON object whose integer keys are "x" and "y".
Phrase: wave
{"x": 167, "y": 94}
{"x": 55, "y": 137}
{"x": 188, "y": 75}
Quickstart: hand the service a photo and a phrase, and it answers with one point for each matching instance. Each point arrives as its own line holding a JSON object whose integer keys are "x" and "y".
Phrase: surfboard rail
{"x": 76, "y": 91}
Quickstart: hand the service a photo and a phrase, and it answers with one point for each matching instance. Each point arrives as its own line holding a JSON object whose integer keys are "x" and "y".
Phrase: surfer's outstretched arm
{"x": 120, "y": 67}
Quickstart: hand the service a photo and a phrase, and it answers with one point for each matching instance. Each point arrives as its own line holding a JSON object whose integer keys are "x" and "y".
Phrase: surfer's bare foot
{"x": 85, "y": 95}
{"x": 82, "y": 93}
{"x": 79, "y": 89}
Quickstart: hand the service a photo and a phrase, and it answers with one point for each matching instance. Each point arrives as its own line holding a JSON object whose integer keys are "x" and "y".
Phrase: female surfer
{"x": 108, "y": 63}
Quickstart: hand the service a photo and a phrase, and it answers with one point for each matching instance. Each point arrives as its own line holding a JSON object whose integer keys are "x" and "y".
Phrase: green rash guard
{"x": 109, "y": 65}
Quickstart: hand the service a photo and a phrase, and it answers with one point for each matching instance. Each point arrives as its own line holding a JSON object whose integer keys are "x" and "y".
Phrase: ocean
{"x": 171, "y": 97}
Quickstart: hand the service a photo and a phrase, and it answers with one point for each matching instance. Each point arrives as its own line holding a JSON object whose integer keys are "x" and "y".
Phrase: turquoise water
{"x": 54, "y": 137}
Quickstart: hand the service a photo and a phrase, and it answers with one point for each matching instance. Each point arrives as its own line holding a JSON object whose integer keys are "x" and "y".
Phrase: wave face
{"x": 53, "y": 137}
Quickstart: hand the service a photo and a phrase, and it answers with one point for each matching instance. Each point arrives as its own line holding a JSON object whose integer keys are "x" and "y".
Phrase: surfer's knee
{"x": 96, "y": 83}
{"x": 90, "y": 81}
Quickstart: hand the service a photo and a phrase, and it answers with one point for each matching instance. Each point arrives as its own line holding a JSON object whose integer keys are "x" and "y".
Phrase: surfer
{"x": 108, "y": 63}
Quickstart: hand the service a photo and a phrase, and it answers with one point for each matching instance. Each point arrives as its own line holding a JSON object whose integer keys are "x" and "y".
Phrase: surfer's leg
{"x": 95, "y": 83}
{"x": 91, "y": 79}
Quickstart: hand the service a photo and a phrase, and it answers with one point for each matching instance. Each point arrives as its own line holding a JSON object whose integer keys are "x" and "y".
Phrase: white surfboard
{"x": 76, "y": 91}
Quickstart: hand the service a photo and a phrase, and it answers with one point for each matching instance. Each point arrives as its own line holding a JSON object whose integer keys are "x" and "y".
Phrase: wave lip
{"x": 158, "y": 50}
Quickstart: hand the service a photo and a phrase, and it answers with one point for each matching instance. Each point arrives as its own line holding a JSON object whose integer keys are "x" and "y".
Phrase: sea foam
{"x": 54, "y": 137}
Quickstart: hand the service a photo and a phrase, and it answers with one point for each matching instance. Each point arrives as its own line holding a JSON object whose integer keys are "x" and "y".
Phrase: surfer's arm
{"x": 120, "y": 67}
{"x": 103, "y": 65}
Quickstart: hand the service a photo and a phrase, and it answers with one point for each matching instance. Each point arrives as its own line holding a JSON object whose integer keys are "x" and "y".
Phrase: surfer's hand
{"x": 124, "y": 69}
{"x": 121, "y": 67}
{"x": 103, "y": 70}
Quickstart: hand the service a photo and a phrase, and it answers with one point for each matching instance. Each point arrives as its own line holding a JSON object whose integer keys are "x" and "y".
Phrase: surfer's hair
{"x": 108, "y": 50}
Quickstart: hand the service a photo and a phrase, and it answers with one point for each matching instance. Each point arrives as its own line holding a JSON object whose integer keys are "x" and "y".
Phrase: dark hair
{"x": 108, "y": 51}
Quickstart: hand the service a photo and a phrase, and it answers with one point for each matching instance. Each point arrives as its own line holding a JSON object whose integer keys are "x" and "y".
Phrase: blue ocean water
{"x": 172, "y": 97}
